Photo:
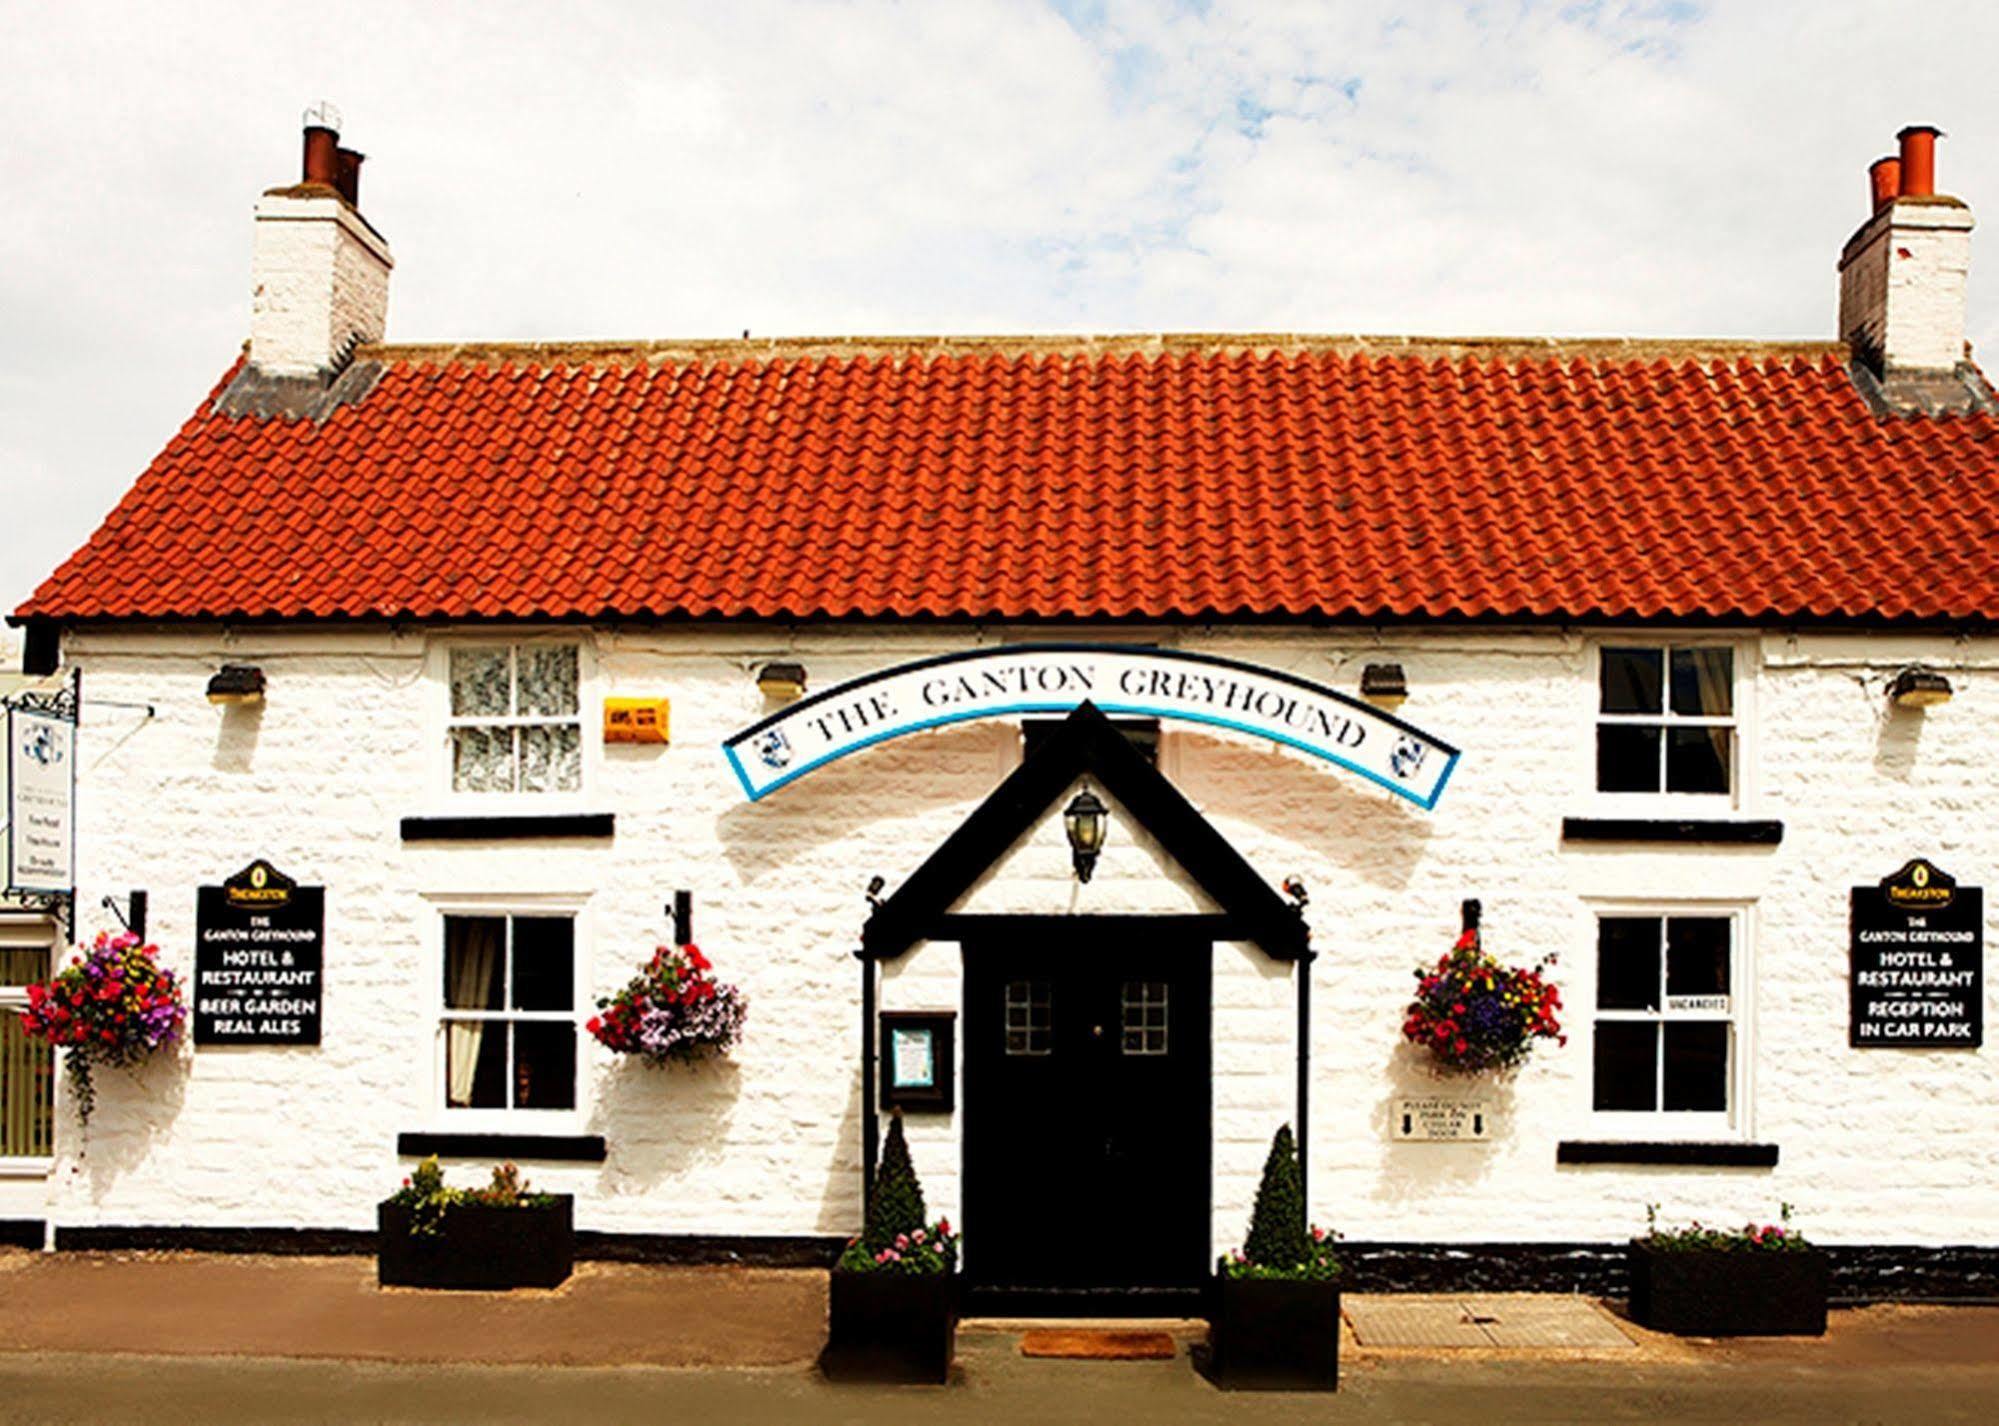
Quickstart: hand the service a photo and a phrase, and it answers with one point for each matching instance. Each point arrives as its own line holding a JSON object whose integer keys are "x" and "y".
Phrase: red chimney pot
{"x": 322, "y": 146}
{"x": 1919, "y": 160}
{"x": 348, "y": 179}
{"x": 1884, "y": 180}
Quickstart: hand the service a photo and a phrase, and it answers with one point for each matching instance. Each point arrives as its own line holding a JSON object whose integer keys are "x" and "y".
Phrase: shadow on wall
{"x": 236, "y": 736}
{"x": 1897, "y": 740}
{"x": 1415, "y": 1169}
{"x": 840, "y": 1201}
{"x": 1325, "y": 811}
{"x": 892, "y": 782}
{"x": 135, "y": 1107}
{"x": 662, "y": 1122}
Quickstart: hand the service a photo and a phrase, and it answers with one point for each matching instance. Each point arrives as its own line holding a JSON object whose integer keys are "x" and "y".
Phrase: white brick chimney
{"x": 1902, "y": 275}
{"x": 320, "y": 273}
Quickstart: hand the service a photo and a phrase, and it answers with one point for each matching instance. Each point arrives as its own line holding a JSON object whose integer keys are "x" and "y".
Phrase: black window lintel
{"x": 1721, "y": 831}
{"x": 516, "y": 827}
{"x": 571, "y": 1148}
{"x": 1712, "y": 1154}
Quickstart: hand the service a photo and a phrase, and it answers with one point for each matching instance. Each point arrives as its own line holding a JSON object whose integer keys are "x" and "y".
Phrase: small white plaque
{"x": 1441, "y": 1119}
{"x": 913, "y": 1067}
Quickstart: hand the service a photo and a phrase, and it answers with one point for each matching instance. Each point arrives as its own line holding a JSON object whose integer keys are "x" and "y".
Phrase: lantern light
{"x": 237, "y": 683}
{"x": 1087, "y": 820}
{"x": 1383, "y": 685}
{"x": 784, "y": 682}
{"x": 1919, "y": 688}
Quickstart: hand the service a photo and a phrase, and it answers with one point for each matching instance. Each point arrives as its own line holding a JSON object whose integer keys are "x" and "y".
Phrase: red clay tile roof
{"x": 1145, "y": 478}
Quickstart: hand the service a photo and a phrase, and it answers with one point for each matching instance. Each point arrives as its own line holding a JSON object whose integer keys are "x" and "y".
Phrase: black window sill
{"x": 1735, "y": 832}
{"x": 1707, "y": 1155}
{"x": 561, "y": 1148}
{"x": 518, "y": 827}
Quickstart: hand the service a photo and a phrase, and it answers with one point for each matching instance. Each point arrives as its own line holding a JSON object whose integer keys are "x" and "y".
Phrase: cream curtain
{"x": 473, "y": 946}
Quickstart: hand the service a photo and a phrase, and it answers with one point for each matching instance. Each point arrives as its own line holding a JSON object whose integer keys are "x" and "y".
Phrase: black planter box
{"x": 1717, "y": 1293}
{"x": 478, "y": 1247}
{"x": 891, "y": 1326}
{"x": 1267, "y": 1333}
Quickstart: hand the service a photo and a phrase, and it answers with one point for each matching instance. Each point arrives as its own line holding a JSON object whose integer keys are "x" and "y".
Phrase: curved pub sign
{"x": 1120, "y": 680}
{"x": 1918, "y": 962}
{"x": 258, "y": 959}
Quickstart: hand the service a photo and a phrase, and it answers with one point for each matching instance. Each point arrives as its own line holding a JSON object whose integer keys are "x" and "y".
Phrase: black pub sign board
{"x": 1918, "y": 953}
{"x": 259, "y": 940}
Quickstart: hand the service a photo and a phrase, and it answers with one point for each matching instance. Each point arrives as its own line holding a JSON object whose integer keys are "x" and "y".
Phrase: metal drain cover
{"x": 1493, "y": 1320}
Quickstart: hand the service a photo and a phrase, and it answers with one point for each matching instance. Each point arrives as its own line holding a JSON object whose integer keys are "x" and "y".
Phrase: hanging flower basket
{"x": 113, "y": 1004}
{"x": 1473, "y": 1014}
{"x": 672, "y": 1010}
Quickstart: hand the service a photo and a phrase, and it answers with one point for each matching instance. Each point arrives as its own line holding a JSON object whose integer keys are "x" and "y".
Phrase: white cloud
{"x": 694, "y": 169}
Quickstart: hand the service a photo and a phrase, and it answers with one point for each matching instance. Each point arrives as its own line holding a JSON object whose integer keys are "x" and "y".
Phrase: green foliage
{"x": 896, "y": 1205}
{"x": 1277, "y": 1237}
{"x": 429, "y": 1198}
{"x": 1279, "y": 1245}
{"x": 1777, "y": 1237}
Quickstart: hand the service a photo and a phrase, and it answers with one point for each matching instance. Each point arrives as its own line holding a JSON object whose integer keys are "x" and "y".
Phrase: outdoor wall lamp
{"x": 1918, "y": 688}
{"x": 237, "y": 683}
{"x": 1383, "y": 685}
{"x": 784, "y": 682}
{"x": 1086, "y": 819}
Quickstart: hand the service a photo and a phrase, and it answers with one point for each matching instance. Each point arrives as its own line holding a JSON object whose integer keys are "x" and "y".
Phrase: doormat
{"x": 1097, "y": 1346}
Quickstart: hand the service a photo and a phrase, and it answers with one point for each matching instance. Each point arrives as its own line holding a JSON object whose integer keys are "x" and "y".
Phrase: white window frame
{"x": 441, "y": 1114}
{"x": 1738, "y": 1120}
{"x": 439, "y": 722}
{"x": 1747, "y": 664}
{"x": 24, "y": 935}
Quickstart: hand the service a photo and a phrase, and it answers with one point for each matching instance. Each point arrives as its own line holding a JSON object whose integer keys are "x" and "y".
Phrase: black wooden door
{"x": 1086, "y": 1105}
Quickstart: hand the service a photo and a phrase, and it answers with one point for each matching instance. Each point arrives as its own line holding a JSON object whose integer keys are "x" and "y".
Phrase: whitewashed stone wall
{"x": 1902, "y": 283}
{"x": 1877, "y": 1146}
{"x": 319, "y": 284}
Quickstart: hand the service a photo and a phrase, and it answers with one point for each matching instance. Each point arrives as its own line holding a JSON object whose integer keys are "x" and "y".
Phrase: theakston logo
{"x": 1919, "y": 886}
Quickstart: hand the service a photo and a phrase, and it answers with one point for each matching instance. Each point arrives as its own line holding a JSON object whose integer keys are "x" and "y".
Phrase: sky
{"x": 650, "y": 170}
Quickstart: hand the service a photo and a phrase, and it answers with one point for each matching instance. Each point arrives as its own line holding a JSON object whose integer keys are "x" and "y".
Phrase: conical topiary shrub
{"x": 896, "y": 1205}
{"x": 1277, "y": 1236}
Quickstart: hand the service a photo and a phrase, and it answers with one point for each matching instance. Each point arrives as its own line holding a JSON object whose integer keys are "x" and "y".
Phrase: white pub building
{"x": 1073, "y": 744}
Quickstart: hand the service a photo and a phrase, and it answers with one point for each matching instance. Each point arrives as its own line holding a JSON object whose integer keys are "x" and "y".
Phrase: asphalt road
{"x": 997, "y": 1385}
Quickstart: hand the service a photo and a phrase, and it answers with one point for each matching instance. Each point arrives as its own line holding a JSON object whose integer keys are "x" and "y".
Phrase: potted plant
{"x": 1274, "y": 1320}
{"x": 673, "y": 1010}
{"x": 503, "y": 1235}
{"x": 1474, "y": 1015}
{"x": 114, "y": 1004}
{"x": 892, "y": 1302}
{"x": 1760, "y": 1280}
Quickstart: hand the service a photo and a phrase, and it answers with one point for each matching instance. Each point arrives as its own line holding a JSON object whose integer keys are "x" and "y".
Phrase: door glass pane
{"x": 544, "y": 1064}
{"x": 1697, "y": 1065}
{"x": 1627, "y": 1063}
{"x": 475, "y": 1064}
{"x": 1029, "y": 1017}
{"x": 1704, "y": 682}
{"x": 544, "y": 962}
{"x": 1143, "y": 1015}
{"x": 1631, "y": 680}
{"x": 482, "y": 759}
{"x": 24, "y": 965}
{"x": 479, "y": 683}
{"x": 27, "y": 1094}
{"x": 473, "y": 971}
{"x": 1627, "y": 758}
{"x": 1627, "y": 963}
{"x": 1697, "y": 759}
{"x": 1697, "y": 959}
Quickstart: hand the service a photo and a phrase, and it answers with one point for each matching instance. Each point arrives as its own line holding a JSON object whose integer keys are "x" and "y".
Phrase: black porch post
{"x": 1305, "y": 959}
{"x": 868, "y": 1124}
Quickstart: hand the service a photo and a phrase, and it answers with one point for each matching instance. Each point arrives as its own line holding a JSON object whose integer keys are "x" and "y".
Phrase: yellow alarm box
{"x": 635, "y": 720}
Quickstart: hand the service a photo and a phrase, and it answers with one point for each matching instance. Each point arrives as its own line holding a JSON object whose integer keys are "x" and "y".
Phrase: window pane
{"x": 1143, "y": 1017}
{"x": 548, "y": 679}
{"x": 1029, "y": 1017}
{"x": 475, "y": 1064}
{"x": 551, "y": 758}
{"x": 27, "y": 1092}
{"x": 1627, "y": 758}
{"x": 1704, "y": 682}
{"x": 1697, "y": 1065}
{"x": 482, "y": 759}
{"x": 1697, "y": 759}
{"x": 1627, "y": 963}
{"x": 544, "y": 962}
{"x": 24, "y": 965}
{"x": 1627, "y": 1062}
{"x": 1697, "y": 955}
{"x": 479, "y": 683}
{"x": 1631, "y": 680}
{"x": 544, "y": 1065}
{"x": 473, "y": 946}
